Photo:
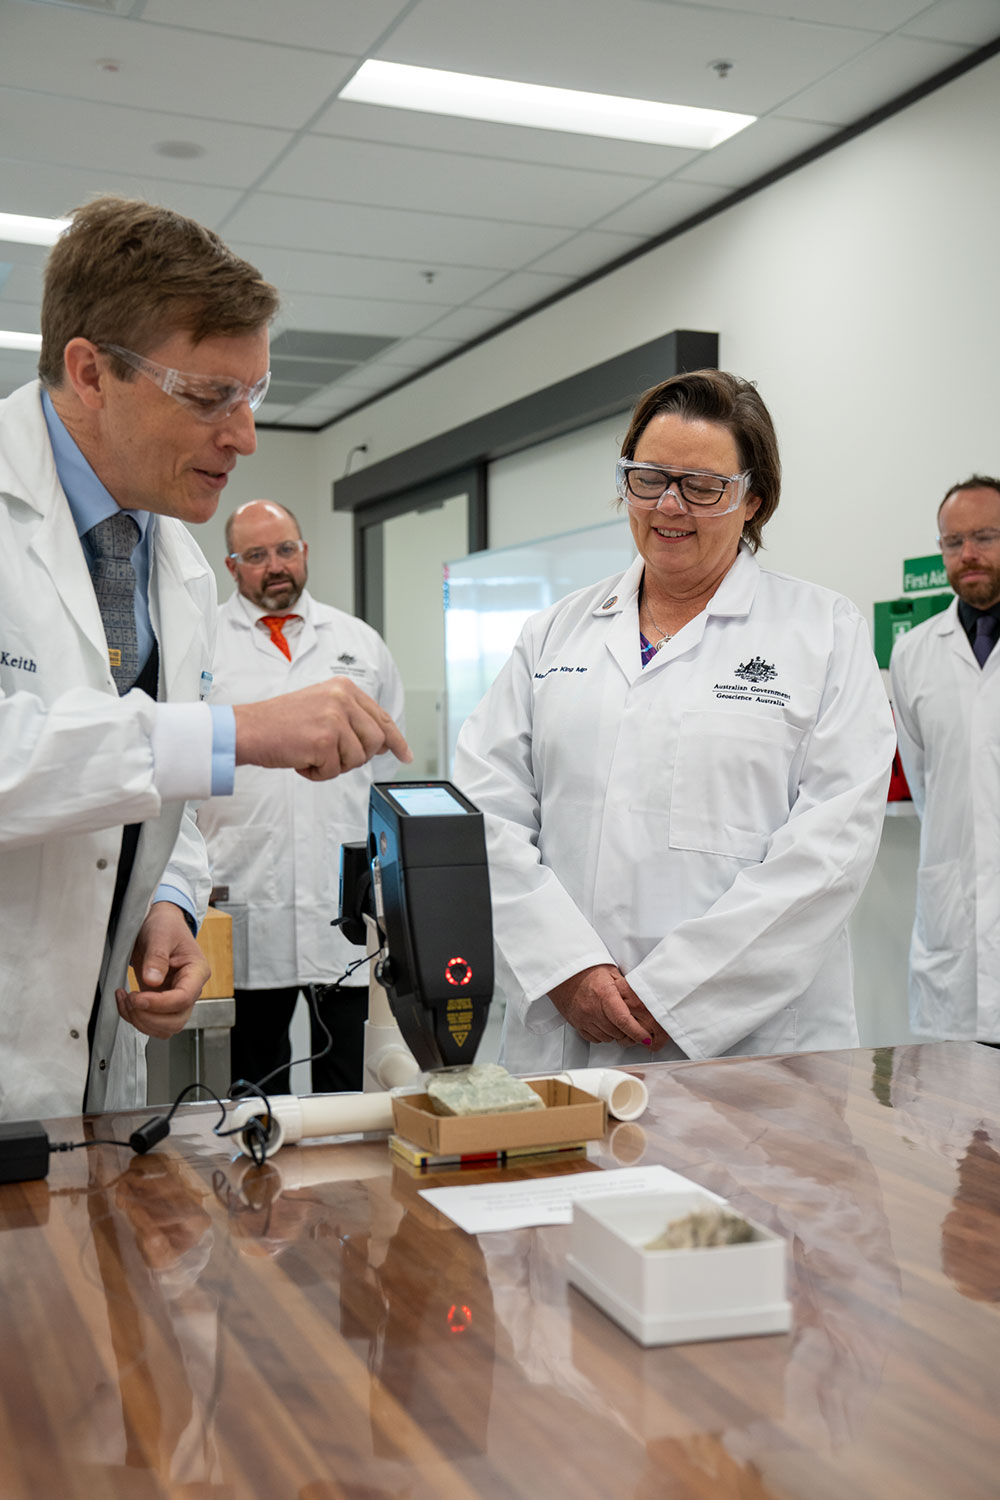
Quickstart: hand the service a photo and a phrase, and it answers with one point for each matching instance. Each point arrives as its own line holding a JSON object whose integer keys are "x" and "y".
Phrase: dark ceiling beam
{"x": 581, "y": 399}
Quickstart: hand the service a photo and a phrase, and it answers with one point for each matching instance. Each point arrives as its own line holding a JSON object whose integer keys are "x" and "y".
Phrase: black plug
{"x": 24, "y": 1151}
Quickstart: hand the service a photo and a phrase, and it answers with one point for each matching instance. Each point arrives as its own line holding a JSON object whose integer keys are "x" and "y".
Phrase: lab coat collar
{"x": 733, "y": 597}
{"x": 244, "y": 614}
{"x": 171, "y": 568}
{"x": 28, "y": 474}
{"x": 949, "y": 627}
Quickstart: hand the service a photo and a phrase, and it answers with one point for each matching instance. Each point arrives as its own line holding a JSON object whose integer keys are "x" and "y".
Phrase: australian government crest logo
{"x": 756, "y": 670}
{"x": 750, "y": 687}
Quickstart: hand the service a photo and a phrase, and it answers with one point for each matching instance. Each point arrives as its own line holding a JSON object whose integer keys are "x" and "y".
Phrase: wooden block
{"x": 216, "y": 942}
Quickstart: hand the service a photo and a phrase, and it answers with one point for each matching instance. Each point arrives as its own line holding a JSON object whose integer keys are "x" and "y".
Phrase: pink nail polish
{"x": 647, "y": 1041}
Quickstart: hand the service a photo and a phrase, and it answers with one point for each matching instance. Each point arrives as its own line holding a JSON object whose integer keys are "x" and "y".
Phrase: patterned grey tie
{"x": 110, "y": 545}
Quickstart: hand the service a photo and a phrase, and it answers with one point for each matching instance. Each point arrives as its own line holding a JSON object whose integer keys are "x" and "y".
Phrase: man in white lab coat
{"x": 154, "y": 357}
{"x": 274, "y": 845}
{"x": 946, "y": 693}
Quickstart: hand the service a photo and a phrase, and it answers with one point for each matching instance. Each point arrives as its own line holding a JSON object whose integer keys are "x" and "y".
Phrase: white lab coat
{"x": 706, "y": 823}
{"x": 276, "y": 841}
{"x": 948, "y": 719}
{"x": 76, "y": 763}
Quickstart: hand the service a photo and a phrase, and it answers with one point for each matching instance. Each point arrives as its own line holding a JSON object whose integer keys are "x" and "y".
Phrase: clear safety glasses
{"x": 697, "y": 491}
{"x": 949, "y": 545}
{"x": 256, "y": 557}
{"x": 210, "y": 397}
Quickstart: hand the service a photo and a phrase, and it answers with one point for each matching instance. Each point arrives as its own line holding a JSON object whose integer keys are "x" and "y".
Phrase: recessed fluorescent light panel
{"x": 400, "y": 86}
{"x": 22, "y": 229}
{"x": 31, "y": 341}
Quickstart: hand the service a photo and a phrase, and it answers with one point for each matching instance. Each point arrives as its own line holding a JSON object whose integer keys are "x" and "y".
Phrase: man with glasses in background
{"x": 154, "y": 358}
{"x": 274, "y": 845}
{"x": 946, "y": 694}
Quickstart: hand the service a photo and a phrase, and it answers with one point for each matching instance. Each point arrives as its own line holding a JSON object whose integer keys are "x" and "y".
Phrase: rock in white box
{"x": 680, "y": 1295}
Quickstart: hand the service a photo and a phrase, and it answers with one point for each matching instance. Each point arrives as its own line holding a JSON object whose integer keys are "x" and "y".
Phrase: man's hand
{"x": 171, "y": 970}
{"x": 594, "y": 1005}
{"x": 318, "y": 731}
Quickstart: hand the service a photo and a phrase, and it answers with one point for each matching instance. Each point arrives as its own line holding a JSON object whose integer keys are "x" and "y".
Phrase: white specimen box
{"x": 675, "y": 1296}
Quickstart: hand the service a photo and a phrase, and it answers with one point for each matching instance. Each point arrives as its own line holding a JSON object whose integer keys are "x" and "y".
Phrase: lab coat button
{"x": 75, "y": 1035}
{"x": 103, "y": 1064}
{"x": 102, "y": 864}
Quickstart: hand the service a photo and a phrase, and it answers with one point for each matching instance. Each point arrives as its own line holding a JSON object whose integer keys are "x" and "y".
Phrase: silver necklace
{"x": 663, "y": 634}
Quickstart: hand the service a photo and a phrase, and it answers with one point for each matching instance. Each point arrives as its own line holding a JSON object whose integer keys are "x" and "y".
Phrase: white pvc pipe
{"x": 293, "y": 1118}
{"x": 625, "y": 1096}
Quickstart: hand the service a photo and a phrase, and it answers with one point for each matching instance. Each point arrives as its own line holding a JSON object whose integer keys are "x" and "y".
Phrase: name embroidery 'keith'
{"x": 25, "y": 663}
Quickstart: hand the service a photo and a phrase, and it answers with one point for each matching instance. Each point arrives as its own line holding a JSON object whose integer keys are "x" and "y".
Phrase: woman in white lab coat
{"x": 684, "y": 772}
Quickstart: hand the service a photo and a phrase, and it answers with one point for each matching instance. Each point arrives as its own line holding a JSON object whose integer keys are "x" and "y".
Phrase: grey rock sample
{"x": 480, "y": 1089}
{"x": 703, "y": 1229}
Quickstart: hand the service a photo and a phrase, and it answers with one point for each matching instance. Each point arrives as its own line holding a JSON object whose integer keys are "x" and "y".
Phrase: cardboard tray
{"x": 569, "y": 1115}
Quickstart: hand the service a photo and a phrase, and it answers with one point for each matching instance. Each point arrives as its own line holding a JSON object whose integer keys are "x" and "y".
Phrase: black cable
{"x": 329, "y": 990}
{"x": 256, "y": 1131}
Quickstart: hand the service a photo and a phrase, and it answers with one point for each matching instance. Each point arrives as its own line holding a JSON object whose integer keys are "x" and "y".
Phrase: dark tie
{"x": 985, "y": 637}
{"x": 110, "y": 545}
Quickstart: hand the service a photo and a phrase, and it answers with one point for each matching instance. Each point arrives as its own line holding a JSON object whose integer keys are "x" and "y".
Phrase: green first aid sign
{"x": 924, "y": 573}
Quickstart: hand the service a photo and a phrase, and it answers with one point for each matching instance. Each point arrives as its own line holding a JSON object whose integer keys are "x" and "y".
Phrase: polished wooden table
{"x": 184, "y": 1324}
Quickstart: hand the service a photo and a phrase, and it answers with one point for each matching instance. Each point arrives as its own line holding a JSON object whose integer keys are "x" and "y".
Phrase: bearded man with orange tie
{"x": 274, "y": 845}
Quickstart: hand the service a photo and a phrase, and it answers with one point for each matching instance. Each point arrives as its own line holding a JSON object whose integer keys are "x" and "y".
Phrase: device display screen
{"x": 427, "y": 801}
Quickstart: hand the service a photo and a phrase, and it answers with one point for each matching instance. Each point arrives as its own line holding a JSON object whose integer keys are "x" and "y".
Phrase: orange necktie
{"x": 276, "y": 625}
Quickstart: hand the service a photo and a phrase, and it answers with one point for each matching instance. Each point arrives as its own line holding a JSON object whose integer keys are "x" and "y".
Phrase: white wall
{"x": 556, "y": 486}
{"x": 285, "y": 469}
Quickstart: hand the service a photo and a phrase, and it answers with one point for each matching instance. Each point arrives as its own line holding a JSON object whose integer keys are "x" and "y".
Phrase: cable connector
{"x": 150, "y": 1134}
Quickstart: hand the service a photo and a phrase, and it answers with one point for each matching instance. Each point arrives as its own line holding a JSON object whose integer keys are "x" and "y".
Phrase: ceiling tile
{"x": 662, "y": 207}
{"x": 652, "y": 51}
{"x": 19, "y": 317}
{"x": 308, "y": 371}
{"x": 866, "y": 15}
{"x": 327, "y": 25}
{"x": 373, "y": 376}
{"x": 413, "y": 354}
{"x": 971, "y": 22}
{"x": 522, "y": 289}
{"x": 755, "y": 151}
{"x": 441, "y": 182}
{"x": 75, "y": 132}
{"x": 434, "y": 239}
{"x": 465, "y": 323}
{"x": 554, "y": 148}
{"x": 22, "y": 283}
{"x": 353, "y": 315}
{"x": 587, "y": 252}
{"x": 60, "y": 51}
{"x": 271, "y": 413}
{"x": 52, "y": 191}
{"x": 888, "y": 69}
{"x": 365, "y": 276}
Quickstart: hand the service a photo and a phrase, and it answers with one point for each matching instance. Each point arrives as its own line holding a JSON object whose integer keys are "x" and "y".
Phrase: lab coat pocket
{"x": 243, "y": 859}
{"x": 944, "y": 917}
{"x": 732, "y": 783}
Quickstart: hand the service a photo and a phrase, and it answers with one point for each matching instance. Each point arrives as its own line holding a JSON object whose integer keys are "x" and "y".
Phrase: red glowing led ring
{"x": 449, "y": 971}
